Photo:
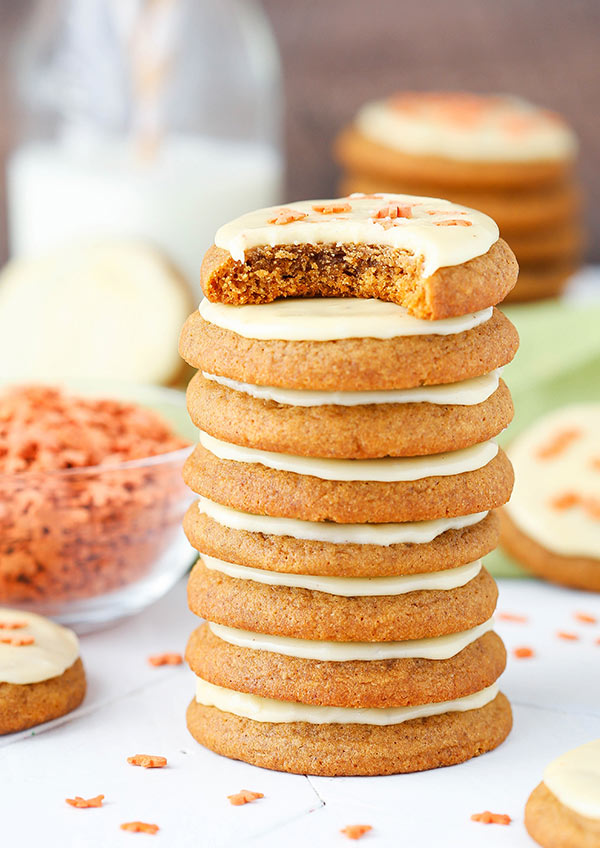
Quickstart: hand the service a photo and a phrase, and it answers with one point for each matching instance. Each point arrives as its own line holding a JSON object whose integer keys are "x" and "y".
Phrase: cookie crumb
{"x": 147, "y": 761}
{"x": 491, "y": 818}
{"x": 140, "y": 827}
{"x": 356, "y": 831}
{"x": 83, "y": 803}
{"x": 511, "y": 616}
{"x": 585, "y": 618}
{"x": 165, "y": 659}
{"x": 244, "y": 796}
{"x": 523, "y": 653}
{"x": 568, "y": 637}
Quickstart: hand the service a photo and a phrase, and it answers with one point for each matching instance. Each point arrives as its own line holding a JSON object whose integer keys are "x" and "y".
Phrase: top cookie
{"x": 458, "y": 138}
{"x": 435, "y": 258}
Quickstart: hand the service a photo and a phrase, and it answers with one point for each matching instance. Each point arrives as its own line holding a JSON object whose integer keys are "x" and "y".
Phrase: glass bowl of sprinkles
{"x": 91, "y": 499}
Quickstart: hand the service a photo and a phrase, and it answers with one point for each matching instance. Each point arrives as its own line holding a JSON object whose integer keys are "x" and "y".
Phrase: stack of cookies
{"x": 348, "y": 395}
{"x": 500, "y": 154}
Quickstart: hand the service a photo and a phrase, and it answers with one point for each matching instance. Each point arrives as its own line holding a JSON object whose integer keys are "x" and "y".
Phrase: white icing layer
{"x": 330, "y": 318}
{"x": 467, "y": 127}
{"x": 350, "y": 587}
{"x": 408, "y": 532}
{"x": 267, "y": 709}
{"x": 386, "y": 470}
{"x": 436, "y": 648}
{"x": 573, "y": 469}
{"x": 465, "y": 393}
{"x": 574, "y": 778}
{"x": 53, "y": 651}
{"x": 421, "y": 228}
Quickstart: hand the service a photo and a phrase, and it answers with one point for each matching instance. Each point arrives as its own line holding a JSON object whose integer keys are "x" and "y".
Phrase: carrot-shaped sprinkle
{"x": 393, "y": 210}
{"x": 165, "y": 659}
{"x": 244, "y": 796}
{"x": 12, "y": 625}
{"x": 491, "y": 818}
{"x": 523, "y": 653}
{"x": 568, "y": 637}
{"x": 286, "y": 216}
{"x": 332, "y": 208}
{"x": 147, "y": 761}
{"x": 17, "y": 641}
{"x": 140, "y": 827}
{"x": 595, "y": 463}
{"x": 591, "y": 506}
{"x": 565, "y": 501}
{"x": 585, "y": 618}
{"x": 453, "y": 222}
{"x": 511, "y": 616}
{"x": 83, "y": 803}
{"x": 558, "y": 444}
{"x": 356, "y": 831}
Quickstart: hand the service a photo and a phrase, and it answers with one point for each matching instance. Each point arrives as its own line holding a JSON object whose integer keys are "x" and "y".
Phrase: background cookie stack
{"x": 496, "y": 153}
{"x": 347, "y": 473}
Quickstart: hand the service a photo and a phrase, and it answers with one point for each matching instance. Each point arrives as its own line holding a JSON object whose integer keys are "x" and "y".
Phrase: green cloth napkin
{"x": 558, "y": 363}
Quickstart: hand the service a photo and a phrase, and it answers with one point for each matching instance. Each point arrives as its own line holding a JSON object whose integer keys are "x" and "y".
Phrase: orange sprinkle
{"x": 17, "y": 641}
{"x": 591, "y": 506}
{"x": 244, "y": 796}
{"x": 147, "y": 761}
{"x": 140, "y": 827}
{"x": 523, "y": 653}
{"x": 453, "y": 222}
{"x": 595, "y": 463}
{"x": 332, "y": 208}
{"x": 585, "y": 618}
{"x": 558, "y": 444}
{"x": 511, "y": 616}
{"x": 597, "y": 642}
{"x": 393, "y": 210}
{"x": 568, "y": 637}
{"x": 491, "y": 818}
{"x": 565, "y": 501}
{"x": 356, "y": 831}
{"x": 165, "y": 659}
{"x": 82, "y": 803}
{"x": 12, "y": 625}
{"x": 286, "y": 216}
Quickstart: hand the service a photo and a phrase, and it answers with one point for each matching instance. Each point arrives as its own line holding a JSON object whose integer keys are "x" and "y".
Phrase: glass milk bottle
{"x": 151, "y": 119}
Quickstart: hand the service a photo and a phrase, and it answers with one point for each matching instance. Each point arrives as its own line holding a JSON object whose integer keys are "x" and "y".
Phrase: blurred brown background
{"x": 338, "y": 53}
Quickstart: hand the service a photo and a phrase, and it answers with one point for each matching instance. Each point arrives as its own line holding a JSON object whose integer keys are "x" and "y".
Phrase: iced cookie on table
{"x": 41, "y": 673}
{"x": 435, "y": 258}
{"x": 563, "y": 811}
{"x": 552, "y": 522}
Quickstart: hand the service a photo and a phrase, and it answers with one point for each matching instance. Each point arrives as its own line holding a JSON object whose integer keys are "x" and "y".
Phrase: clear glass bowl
{"x": 89, "y": 546}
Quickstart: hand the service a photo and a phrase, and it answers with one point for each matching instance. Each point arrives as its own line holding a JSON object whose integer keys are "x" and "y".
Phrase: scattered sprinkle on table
{"x": 523, "y": 653}
{"x": 356, "y": 831}
{"x": 568, "y": 637}
{"x": 147, "y": 761}
{"x": 84, "y": 803}
{"x": 511, "y": 616}
{"x": 165, "y": 659}
{"x": 491, "y": 818}
{"x": 244, "y": 796}
{"x": 140, "y": 827}
{"x": 585, "y": 618}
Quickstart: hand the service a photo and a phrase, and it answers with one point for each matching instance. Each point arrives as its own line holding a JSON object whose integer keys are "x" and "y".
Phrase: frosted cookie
{"x": 435, "y": 258}
{"x": 380, "y": 491}
{"x": 304, "y": 613}
{"x": 564, "y": 810}
{"x": 457, "y": 138}
{"x": 405, "y": 676}
{"x": 41, "y": 674}
{"x": 387, "y": 742}
{"x": 552, "y": 523}
{"x": 561, "y": 244}
{"x": 338, "y": 550}
{"x": 468, "y": 347}
{"x": 333, "y": 424}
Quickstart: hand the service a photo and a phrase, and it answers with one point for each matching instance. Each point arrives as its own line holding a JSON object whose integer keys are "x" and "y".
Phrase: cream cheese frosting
{"x": 332, "y": 318}
{"x": 574, "y": 778}
{"x": 386, "y": 470}
{"x": 464, "y": 393}
{"x": 51, "y": 652}
{"x": 422, "y": 229}
{"x": 350, "y": 587}
{"x": 434, "y": 648}
{"x": 467, "y": 127}
{"x": 556, "y": 498}
{"x": 408, "y": 532}
{"x": 269, "y": 710}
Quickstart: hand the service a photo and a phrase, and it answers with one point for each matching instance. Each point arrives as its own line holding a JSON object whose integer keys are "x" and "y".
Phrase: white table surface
{"x": 133, "y": 708}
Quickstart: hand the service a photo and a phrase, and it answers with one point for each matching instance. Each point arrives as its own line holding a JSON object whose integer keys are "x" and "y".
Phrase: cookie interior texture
{"x": 359, "y": 270}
